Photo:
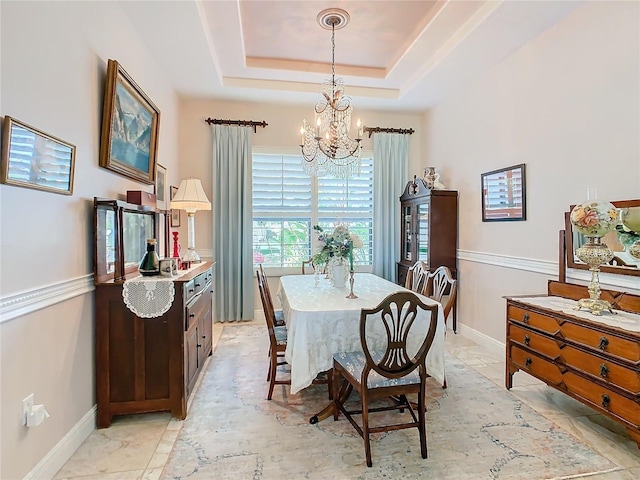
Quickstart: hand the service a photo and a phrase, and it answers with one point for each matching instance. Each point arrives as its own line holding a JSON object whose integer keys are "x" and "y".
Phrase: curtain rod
{"x": 243, "y": 123}
{"x": 404, "y": 131}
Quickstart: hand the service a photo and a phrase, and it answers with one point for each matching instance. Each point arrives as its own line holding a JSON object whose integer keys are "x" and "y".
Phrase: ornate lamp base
{"x": 191, "y": 256}
{"x": 594, "y": 253}
{"x": 596, "y": 305}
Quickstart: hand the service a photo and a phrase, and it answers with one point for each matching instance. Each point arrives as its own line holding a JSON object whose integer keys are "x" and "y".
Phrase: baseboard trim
{"x": 53, "y": 461}
{"x": 494, "y": 346}
{"x": 23, "y": 303}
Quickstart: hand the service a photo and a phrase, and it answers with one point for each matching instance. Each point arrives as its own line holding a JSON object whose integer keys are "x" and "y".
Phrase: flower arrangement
{"x": 338, "y": 245}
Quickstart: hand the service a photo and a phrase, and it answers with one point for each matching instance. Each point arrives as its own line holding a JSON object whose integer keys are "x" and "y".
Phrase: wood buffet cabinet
{"x": 145, "y": 364}
{"x": 592, "y": 361}
{"x": 429, "y": 228}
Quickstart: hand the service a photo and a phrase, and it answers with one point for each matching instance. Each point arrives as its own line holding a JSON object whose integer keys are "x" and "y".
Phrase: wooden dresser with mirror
{"x": 594, "y": 359}
{"x": 145, "y": 364}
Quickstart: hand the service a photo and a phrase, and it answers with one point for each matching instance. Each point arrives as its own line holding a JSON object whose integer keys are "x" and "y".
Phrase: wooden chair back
{"x": 417, "y": 277}
{"x": 397, "y": 314}
{"x": 308, "y": 267}
{"x": 439, "y": 284}
{"x": 267, "y": 305}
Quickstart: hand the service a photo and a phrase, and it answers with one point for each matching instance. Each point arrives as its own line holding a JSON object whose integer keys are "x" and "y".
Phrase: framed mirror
{"x": 618, "y": 240}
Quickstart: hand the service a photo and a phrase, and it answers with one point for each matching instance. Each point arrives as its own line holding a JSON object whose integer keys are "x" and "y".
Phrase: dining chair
{"x": 279, "y": 314}
{"x": 417, "y": 276}
{"x": 306, "y": 265}
{"x": 389, "y": 373}
{"x": 277, "y": 338}
{"x": 439, "y": 284}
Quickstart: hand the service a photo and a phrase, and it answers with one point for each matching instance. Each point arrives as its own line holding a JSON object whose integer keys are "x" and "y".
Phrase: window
{"x": 287, "y": 203}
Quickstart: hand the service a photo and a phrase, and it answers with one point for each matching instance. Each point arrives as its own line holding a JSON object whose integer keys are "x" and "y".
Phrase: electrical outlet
{"x": 27, "y": 405}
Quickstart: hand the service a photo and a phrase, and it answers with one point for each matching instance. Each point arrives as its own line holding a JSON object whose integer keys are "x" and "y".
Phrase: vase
{"x": 150, "y": 263}
{"x": 431, "y": 177}
{"x": 338, "y": 274}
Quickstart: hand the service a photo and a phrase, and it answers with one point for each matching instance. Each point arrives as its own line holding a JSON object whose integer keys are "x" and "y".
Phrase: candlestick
{"x": 351, "y": 255}
{"x": 351, "y": 294}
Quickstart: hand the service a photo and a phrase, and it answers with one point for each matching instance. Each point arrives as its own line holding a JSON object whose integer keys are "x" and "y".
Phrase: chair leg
{"x": 422, "y": 425}
{"x": 335, "y": 389}
{"x": 272, "y": 375}
{"x": 365, "y": 428}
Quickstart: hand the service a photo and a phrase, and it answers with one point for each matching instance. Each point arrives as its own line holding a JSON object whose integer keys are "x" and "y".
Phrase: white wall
{"x": 567, "y": 105}
{"x": 54, "y": 57}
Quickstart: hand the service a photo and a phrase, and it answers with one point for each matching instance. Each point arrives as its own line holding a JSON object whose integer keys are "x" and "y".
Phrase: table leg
{"x": 340, "y": 397}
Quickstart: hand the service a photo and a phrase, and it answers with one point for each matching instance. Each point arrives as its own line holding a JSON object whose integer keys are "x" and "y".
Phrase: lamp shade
{"x": 190, "y": 196}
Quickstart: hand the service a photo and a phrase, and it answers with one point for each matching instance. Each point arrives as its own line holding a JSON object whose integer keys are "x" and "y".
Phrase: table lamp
{"x": 190, "y": 197}
{"x": 594, "y": 219}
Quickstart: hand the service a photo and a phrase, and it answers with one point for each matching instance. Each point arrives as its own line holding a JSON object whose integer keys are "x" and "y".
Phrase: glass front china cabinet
{"x": 429, "y": 229}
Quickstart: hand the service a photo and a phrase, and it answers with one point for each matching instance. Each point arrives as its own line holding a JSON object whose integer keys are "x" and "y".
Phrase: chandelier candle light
{"x": 191, "y": 198}
{"x": 326, "y": 146}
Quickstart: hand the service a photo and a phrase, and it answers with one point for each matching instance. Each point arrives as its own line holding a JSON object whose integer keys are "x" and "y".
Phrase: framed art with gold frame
{"x": 34, "y": 159}
{"x": 130, "y": 126}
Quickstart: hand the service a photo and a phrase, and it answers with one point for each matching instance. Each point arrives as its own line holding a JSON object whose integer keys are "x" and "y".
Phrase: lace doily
{"x": 148, "y": 297}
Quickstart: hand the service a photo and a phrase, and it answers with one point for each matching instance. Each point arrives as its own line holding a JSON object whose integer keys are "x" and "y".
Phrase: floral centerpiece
{"x": 337, "y": 246}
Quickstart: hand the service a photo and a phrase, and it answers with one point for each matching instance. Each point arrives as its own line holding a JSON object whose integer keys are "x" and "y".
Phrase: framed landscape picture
{"x": 130, "y": 125}
{"x": 504, "y": 194}
{"x": 161, "y": 187}
{"x": 34, "y": 159}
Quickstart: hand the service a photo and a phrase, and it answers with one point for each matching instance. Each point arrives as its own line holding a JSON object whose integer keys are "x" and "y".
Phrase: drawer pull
{"x": 604, "y": 371}
{"x": 527, "y": 340}
{"x": 603, "y": 343}
{"x": 605, "y": 400}
{"x": 525, "y": 319}
{"x": 198, "y": 345}
{"x": 191, "y": 315}
{"x": 528, "y": 362}
{"x": 191, "y": 290}
{"x": 197, "y": 284}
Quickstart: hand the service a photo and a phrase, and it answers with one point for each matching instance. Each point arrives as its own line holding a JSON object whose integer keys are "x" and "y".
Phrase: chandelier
{"x": 326, "y": 145}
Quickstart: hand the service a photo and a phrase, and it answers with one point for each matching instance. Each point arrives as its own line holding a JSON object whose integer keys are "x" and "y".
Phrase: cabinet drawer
{"x": 194, "y": 310}
{"x": 201, "y": 281}
{"x": 610, "y": 401}
{"x": 626, "y": 378}
{"x": 602, "y": 342}
{"x": 189, "y": 290}
{"x": 536, "y": 365}
{"x": 545, "y": 323}
{"x": 535, "y": 341}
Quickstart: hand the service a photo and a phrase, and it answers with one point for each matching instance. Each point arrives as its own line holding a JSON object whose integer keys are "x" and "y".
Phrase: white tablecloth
{"x": 321, "y": 322}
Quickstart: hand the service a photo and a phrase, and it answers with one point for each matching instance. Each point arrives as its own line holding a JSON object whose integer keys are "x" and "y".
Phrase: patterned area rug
{"x": 475, "y": 430}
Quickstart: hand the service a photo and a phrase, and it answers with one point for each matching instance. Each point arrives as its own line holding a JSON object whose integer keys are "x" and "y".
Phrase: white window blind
{"x": 287, "y": 203}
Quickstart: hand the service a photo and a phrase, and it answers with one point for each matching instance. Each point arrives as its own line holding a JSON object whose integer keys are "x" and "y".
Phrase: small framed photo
{"x": 175, "y": 213}
{"x": 504, "y": 194}
{"x": 161, "y": 187}
{"x": 130, "y": 126}
{"x": 34, "y": 159}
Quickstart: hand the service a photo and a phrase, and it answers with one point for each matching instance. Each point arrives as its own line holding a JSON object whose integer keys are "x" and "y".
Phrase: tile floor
{"x": 136, "y": 447}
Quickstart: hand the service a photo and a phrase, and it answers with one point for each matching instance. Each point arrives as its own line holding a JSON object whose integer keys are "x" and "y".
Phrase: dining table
{"x": 321, "y": 320}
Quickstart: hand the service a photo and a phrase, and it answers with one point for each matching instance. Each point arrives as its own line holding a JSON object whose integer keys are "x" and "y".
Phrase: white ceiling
{"x": 393, "y": 55}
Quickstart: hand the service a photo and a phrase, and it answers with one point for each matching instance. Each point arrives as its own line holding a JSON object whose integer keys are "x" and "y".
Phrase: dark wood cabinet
{"x": 589, "y": 359}
{"x": 145, "y": 364}
{"x": 429, "y": 228}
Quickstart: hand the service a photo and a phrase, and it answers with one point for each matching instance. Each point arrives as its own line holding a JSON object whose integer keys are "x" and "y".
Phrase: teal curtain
{"x": 390, "y": 167}
{"x": 232, "y": 223}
